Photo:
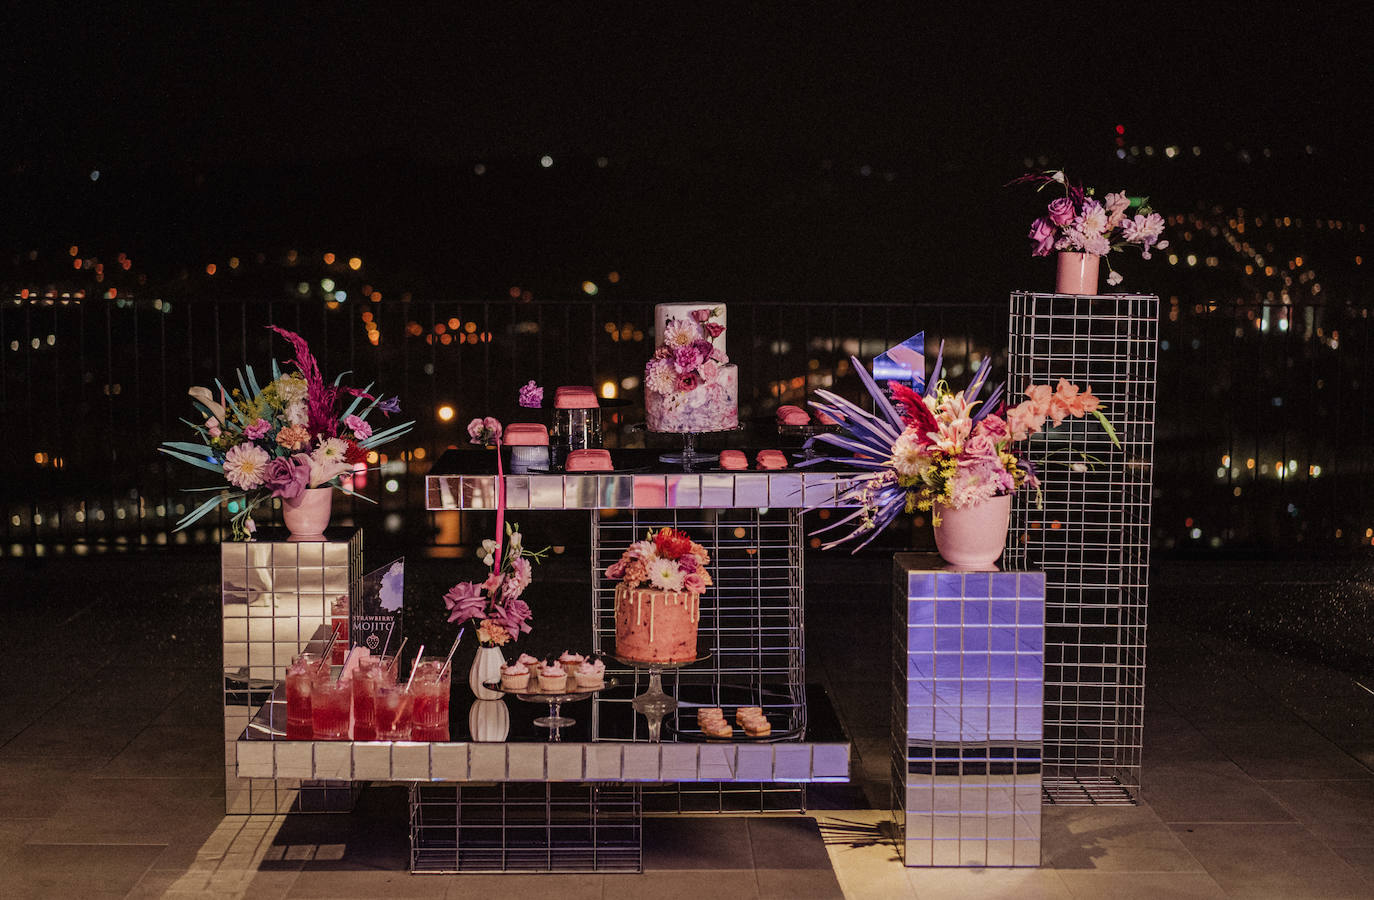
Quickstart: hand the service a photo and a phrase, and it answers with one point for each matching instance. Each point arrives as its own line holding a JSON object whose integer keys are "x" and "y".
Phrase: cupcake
{"x": 570, "y": 661}
{"x": 591, "y": 675}
{"x": 553, "y": 679}
{"x": 515, "y": 678}
{"x": 528, "y": 661}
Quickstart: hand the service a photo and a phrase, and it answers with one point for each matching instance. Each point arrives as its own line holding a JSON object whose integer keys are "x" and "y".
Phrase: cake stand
{"x": 690, "y": 455}
{"x": 555, "y": 720}
{"x": 655, "y": 703}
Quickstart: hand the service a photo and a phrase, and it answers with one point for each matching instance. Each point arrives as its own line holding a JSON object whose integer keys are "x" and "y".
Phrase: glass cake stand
{"x": 690, "y": 455}
{"x": 655, "y": 703}
{"x": 555, "y": 720}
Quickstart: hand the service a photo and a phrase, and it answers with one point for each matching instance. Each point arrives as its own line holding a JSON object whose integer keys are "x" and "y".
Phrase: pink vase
{"x": 973, "y": 537}
{"x": 307, "y": 515}
{"x": 1077, "y": 273}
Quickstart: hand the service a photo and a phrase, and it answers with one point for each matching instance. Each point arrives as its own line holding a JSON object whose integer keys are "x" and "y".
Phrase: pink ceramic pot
{"x": 973, "y": 538}
{"x": 307, "y": 516}
{"x": 1077, "y": 273}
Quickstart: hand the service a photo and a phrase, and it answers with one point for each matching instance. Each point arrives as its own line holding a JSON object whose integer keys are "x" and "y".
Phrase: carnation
{"x": 361, "y": 430}
{"x": 294, "y": 437}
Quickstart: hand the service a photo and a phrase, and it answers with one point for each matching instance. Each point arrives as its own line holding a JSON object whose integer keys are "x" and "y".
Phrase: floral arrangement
{"x": 276, "y": 440}
{"x": 531, "y": 395}
{"x": 941, "y": 448}
{"x": 668, "y": 560}
{"x": 495, "y": 603}
{"x": 1078, "y": 222}
{"x": 687, "y": 357}
{"x": 484, "y": 431}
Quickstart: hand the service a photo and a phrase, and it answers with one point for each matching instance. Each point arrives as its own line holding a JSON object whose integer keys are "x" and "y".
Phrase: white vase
{"x": 488, "y": 720}
{"x": 486, "y": 667}
{"x": 973, "y": 537}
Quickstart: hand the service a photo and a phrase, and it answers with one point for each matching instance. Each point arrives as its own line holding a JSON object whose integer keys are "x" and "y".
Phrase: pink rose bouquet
{"x": 1078, "y": 222}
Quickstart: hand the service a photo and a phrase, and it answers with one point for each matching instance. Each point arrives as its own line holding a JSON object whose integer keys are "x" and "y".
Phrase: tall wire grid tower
{"x": 1091, "y": 537}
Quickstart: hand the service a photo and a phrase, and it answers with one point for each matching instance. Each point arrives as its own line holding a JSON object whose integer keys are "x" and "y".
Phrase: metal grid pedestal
{"x": 1092, "y": 537}
{"x": 967, "y": 707}
{"x": 276, "y": 594}
{"x": 511, "y": 827}
{"x": 751, "y": 624}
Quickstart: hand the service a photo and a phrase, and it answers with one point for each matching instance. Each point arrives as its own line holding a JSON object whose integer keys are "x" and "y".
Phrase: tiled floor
{"x": 1258, "y": 771}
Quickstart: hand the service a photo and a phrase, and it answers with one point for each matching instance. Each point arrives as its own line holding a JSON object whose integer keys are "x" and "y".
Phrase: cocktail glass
{"x": 370, "y": 669}
{"x": 429, "y": 696}
{"x": 331, "y": 707}
{"x": 392, "y": 704}
{"x": 299, "y": 725}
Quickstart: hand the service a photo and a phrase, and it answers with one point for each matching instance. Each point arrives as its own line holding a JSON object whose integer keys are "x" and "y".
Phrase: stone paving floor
{"x": 1258, "y": 765}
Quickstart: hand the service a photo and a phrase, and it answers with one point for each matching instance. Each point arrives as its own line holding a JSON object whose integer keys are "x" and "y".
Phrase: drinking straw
{"x": 344, "y": 667}
{"x": 324, "y": 657}
{"x": 389, "y": 633}
{"x": 399, "y": 651}
{"x": 415, "y": 665}
{"x": 451, "y": 651}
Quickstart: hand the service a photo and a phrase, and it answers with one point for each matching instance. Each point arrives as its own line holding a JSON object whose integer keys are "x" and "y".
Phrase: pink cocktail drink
{"x": 370, "y": 669}
{"x": 430, "y": 696}
{"x": 299, "y": 723}
{"x": 392, "y": 703}
{"x": 331, "y": 706}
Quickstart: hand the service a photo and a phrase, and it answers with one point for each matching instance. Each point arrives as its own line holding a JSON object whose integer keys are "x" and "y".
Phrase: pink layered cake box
{"x": 656, "y": 626}
{"x": 589, "y": 461}
{"x": 526, "y": 434}
{"x": 575, "y": 397}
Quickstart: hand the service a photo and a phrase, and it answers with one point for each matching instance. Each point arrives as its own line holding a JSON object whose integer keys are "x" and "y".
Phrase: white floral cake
{"x": 690, "y": 384}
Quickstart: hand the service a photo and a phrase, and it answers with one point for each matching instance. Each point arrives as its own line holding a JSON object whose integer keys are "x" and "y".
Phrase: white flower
{"x": 245, "y": 465}
{"x": 665, "y": 575}
{"x": 331, "y": 450}
{"x": 659, "y": 377}
{"x": 297, "y": 414}
{"x": 1094, "y": 219}
{"x": 328, "y": 461}
{"x": 680, "y": 332}
{"x": 1114, "y": 277}
{"x": 488, "y": 553}
{"x": 907, "y": 458}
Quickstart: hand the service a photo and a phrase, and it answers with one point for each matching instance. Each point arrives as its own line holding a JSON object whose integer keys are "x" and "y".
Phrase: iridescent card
{"x": 375, "y": 619}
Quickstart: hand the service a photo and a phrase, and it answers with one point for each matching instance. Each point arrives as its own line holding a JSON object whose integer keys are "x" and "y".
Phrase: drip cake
{"x": 658, "y": 598}
{"x": 690, "y": 385}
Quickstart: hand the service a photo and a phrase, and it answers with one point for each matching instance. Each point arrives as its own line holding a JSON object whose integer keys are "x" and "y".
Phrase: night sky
{"x": 226, "y": 125}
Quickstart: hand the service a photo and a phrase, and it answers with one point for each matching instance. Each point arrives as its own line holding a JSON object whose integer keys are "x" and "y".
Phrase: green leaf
{"x": 1107, "y": 427}
{"x": 195, "y": 514}
{"x": 386, "y": 434}
{"x": 189, "y": 447}
{"x": 194, "y": 460}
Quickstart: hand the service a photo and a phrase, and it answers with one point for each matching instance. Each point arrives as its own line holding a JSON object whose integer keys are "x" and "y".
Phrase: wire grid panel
{"x": 509, "y": 827}
{"x": 751, "y": 619}
{"x": 1092, "y": 536}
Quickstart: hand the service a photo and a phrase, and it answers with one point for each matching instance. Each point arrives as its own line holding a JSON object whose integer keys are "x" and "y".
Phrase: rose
{"x": 484, "y": 431}
{"x": 288, "y": 476}
{"x": 979, "y": 448}
{"x": 995, "y": 427}
{"x": 701, "y": 315}
{"x": 714, "y": 329}
{"x": 1042, "y": 233}
{"x": 1061, "y": 210}
{"x": 693, "y": 583}
{"x": 688, "y": 381}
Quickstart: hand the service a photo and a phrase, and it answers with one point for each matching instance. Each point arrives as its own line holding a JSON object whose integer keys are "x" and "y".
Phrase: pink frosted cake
{"x": 690, "y": 384}
{"x": 656, "y": 626}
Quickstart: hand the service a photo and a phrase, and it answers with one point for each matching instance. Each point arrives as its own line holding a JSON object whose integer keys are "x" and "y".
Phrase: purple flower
{"x": 361, "y": 430}
{"x": 531, "y": 395}
{"x": 288, "y": 476}
{"x": 465, "y": 601}
{"x": 257, "y": 429}
{"x": 1061, "y": 211}
{"x": 514, "y": 616}
{"x": 1042, "y": 233}
{"x": 390, "y": 406}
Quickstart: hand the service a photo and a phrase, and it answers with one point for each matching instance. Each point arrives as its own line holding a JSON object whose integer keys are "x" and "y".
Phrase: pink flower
{"x": 531, "y": 395}
{"x": 1116, "y": 206}
{"x": 245, "y": 465}
{"x": 361, "y": 430}
{"x": 714, "y": 329}
{"x": 465, "y": 600}
{"x": 1042, "y": 233}
{"x": 1024, "y": 419}
{"x": 493, "y": 581}
{"x": 686, "y": 359}
{"x": 995, "y": 427}
{"x": 1061, "y": 211}
{"x": 701, "y": 315}
{"x": 293, "y": 437}
{"x": 1073, "y": 401}
{"x": 520, "y": 576}
{"x": 718, "y": 356}
{"x": 978, "y": 449}
{"x": 257, "y": 429}
{"x": 1040, "y": 395}
{"x": 709, "y": 370}
{"x": 693, "y": 583}
{"x": 484, "y": 431}
{"x": 688, "y": 381}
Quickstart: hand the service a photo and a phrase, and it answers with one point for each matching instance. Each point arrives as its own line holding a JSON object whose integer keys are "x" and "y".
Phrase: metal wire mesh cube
{"x": 1091, "y": 538}
{"x": 751, "y": 619}
{"x": 512, "y": 827}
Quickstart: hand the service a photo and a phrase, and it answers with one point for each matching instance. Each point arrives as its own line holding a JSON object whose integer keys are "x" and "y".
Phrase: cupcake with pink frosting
{"x": 591, "y": 675}
{"x": 515, "y": 677}
{"x": 553, "y": 679}
{"x": 570, "y": 661}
